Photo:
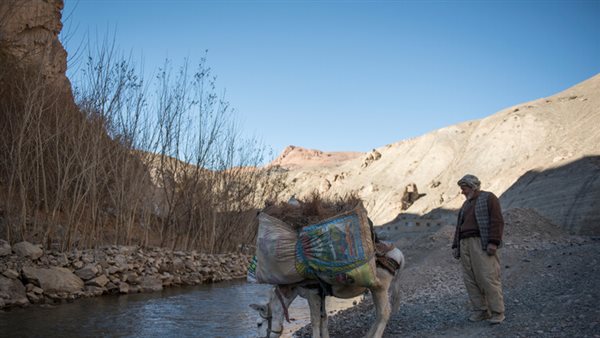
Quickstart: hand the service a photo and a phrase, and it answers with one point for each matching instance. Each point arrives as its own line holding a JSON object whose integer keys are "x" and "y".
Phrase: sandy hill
{"x": 542, "y": 154}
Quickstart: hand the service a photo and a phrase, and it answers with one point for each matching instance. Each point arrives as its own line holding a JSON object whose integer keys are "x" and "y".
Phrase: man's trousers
{"x": 481, "y": 274}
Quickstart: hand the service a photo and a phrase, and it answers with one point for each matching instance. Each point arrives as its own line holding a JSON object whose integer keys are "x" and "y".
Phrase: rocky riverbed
{"x": 550, "y": 282}
{"x": 29, "y": 275}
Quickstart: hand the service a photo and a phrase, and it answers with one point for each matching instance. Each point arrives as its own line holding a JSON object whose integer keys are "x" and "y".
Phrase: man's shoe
{"x": 479, "y": 316}
{"x": 496, "y": 318}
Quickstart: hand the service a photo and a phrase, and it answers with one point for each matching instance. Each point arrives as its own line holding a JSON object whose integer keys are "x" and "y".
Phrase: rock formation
{"x": 410, "y": 195}
{"x": 294, "y": 157}
{"x": 541, "y": 154}
{"x": 29, "y": 32}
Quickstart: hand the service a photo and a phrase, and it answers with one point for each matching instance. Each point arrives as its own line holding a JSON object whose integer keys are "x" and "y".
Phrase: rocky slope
{"x": 549, "y": 280}
{"x": 542, "y": 154}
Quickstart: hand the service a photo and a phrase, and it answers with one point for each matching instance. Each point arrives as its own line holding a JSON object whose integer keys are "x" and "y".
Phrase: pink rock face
{"x": 298, "y": 157}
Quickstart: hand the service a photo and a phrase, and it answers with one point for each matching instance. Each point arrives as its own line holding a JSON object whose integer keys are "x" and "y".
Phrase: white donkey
{"x": 385, "y": 292}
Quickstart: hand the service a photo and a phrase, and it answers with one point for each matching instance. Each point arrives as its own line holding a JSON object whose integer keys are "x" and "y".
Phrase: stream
{"x": 211, "y": 310}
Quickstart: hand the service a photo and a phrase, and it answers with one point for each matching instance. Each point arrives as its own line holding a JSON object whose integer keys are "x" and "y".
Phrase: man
{"x": 476, "y": 241}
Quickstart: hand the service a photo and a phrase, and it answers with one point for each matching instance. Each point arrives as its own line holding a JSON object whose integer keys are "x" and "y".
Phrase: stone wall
{"x": 31, "y": 276}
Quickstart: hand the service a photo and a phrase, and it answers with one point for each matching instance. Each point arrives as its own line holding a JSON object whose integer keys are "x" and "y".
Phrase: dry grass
{"x": 312, "y": 210}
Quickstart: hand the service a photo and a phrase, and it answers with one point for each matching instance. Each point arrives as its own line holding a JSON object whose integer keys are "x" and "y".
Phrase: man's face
{"x": 466, "y": 190}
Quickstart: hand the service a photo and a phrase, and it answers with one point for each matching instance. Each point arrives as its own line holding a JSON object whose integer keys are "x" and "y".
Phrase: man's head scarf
{"x": 470, "y": 181}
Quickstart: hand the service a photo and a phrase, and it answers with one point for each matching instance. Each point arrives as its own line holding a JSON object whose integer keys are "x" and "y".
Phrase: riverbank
{"x": 29, "y": 275}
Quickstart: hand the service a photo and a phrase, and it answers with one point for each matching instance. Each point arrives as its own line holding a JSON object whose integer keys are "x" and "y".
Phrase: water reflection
{"x": 215, "y": 310}
{"x": 218, "y": 310}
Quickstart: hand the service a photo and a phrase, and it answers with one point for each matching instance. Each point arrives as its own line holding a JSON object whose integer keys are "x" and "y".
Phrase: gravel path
{"x": 551, "y": 288}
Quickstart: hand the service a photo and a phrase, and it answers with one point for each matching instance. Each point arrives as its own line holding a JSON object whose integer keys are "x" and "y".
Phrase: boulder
{"x": 150, "y": 284}
{"x": 123, "y": 287}
{"x": 94, "y": 290}
{"x": 112, "y": 270}
{"x": 374, "y": 155}
{"x": 87, "y": 272}
{"x": 410, "y": 195}
{"x": 88, "y": 258}
{"x": 99, "y": 281}
{"x": 12, "y": 292}
{"x": 324, "y": 186}
{"x": 61, "y": 259}
{"x": 54, "y": 280}
{"x": 121, "y": 263}
{"x": 34, "y": 298}
{"x": 111, "y": 288}
{"x": 131, "y": 278}
{"x": 26, "y": 249}
{"x": 134, "y": 289}
{"x": 166, "y": 267}
{"x": 178, "y": 264}
{"x": 5, "y": 248}
{"x": 10, "y": 273}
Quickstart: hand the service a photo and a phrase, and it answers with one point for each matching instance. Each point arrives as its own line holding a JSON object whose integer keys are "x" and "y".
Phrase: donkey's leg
{"x": 324, "y": 320}
{"x": 314, "y": 303}
{"x": 324, "y": 323}
{"x": 382, "y": 311}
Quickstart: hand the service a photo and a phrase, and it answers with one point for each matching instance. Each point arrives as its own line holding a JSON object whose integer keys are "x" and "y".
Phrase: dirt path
{"x": 551, "y": 289}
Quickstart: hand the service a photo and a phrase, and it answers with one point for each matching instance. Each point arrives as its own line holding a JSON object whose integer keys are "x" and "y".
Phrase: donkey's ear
{"x": 259, "y": 307}
{"x": 263, "y": 309}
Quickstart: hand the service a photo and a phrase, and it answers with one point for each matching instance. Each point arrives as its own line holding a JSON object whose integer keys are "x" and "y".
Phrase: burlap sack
{"x": 276, "y": 252}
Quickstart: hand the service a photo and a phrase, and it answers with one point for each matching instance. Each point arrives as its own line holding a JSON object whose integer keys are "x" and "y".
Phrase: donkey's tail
{"x": 394, "y": 289}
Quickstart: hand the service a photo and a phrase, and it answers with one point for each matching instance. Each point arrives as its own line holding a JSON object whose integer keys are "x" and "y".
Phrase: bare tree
{"x": 127, "y": 164}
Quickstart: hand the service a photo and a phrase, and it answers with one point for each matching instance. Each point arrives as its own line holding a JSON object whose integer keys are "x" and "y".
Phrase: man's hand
{"x": 491, "y": 249}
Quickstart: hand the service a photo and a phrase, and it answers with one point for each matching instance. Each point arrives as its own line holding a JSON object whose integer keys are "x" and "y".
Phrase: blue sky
{"x": 357, "y": 75}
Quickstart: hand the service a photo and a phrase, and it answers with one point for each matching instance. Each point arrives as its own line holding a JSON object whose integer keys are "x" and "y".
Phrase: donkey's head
{"x": 270, "y": 321}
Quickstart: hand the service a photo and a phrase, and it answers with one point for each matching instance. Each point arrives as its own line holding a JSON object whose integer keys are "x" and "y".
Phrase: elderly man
{"x": 476, "y": 241}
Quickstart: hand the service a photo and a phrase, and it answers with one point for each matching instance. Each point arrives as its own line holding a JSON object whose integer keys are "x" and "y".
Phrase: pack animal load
{"x": 315, "y": 240}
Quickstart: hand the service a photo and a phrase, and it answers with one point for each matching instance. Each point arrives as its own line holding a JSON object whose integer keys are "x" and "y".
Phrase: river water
{"x": 212, "y": 310}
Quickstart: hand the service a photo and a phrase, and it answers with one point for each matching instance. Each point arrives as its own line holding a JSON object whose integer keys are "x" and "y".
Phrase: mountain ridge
{"x": 539, "y": 135}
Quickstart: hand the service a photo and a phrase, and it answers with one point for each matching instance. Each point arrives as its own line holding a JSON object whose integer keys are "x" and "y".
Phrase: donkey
{"x": 385, "y": 292}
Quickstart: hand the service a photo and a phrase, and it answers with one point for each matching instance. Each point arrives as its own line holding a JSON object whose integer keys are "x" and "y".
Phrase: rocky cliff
{"x": 29, "y": 32}
{"x": 542, "y": 154}
{"x": 293, "y": 157}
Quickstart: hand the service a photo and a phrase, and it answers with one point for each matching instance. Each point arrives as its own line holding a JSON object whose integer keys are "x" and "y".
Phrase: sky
{"x": 357, "y": 75}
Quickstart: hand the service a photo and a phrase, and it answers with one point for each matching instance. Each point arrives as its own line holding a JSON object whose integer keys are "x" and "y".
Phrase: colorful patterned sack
{"x": 339, "y": 250}
{"x": 251, "y": 275}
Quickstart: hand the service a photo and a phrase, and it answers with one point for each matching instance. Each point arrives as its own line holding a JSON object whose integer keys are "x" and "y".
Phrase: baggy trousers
{"x": 481, "y": 274}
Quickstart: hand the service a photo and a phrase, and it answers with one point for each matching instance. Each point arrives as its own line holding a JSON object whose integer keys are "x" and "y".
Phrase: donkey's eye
{"x": 259, "y": 324}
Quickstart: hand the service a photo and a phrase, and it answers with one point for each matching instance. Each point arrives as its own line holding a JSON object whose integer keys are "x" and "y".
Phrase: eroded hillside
{"x": 542, "y": 154}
